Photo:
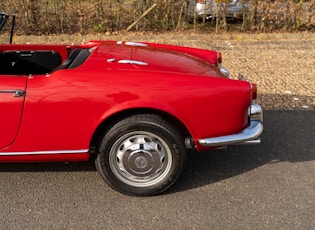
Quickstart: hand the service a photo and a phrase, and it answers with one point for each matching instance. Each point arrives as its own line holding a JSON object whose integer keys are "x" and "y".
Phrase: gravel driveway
{"x": 282, "y": 65}
{"x": 284, "y": 70}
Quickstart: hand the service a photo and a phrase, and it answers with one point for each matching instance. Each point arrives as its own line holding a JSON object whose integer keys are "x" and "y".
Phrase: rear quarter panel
{"x": 63, "y": 110}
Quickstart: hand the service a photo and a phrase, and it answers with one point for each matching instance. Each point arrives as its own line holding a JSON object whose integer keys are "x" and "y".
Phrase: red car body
{"x": 60, "y": 109}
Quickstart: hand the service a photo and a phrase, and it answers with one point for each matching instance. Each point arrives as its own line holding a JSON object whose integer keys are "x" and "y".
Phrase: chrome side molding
{"x": 135, "y": 44}
{"x": 131, "y": 43}
{"x": 132, "y": 62}
{"x": 44, "y": 152}
{"x": 111, "y": 60}
{"x": 16, "y": 92}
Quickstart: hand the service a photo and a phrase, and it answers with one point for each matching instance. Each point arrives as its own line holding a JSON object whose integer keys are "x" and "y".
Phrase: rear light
{"x": 223, "y": 70}
{"x": 254, "y": 91}
{"x": 219, "y": 59}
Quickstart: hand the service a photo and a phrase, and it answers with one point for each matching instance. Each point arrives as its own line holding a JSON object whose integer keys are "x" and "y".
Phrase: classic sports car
{"x": 135, "y": 107}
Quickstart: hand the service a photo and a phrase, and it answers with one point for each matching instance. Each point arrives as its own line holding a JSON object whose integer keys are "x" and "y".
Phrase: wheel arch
{"x": 101, "y": 129}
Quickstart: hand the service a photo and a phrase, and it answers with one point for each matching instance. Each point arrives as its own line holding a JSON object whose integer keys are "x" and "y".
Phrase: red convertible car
{"x": 135, "y": 107}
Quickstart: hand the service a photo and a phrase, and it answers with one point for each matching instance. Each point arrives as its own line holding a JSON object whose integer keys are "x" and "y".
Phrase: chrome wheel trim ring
{"x": 140, "y": 159}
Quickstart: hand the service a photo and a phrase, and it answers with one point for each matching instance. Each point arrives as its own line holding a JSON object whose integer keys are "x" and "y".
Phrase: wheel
{"x": 141, "y": 155}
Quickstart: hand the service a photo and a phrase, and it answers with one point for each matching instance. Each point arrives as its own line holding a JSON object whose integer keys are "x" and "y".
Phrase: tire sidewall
{"x": 165, "y": 132}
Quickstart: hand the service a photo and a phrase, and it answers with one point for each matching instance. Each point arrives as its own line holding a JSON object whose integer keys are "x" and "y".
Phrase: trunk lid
{"x": 137, "y": 56}
{"x": 164, "y": 60}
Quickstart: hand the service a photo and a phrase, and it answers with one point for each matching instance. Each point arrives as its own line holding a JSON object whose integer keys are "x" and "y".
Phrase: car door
{"x": 12, "y": 96}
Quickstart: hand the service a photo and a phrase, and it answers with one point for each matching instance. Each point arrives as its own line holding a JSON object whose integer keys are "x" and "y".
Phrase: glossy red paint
{"x": 208, "y": 56}
{"x": 183, "y": 63}
{"x": 11, "y": 108}
{"x": 62, "y": 110}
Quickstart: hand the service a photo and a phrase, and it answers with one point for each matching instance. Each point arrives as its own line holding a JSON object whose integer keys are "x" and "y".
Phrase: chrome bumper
{"x": 248, "y": 136}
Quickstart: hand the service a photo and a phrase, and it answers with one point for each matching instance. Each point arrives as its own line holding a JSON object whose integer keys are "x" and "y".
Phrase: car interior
{"x": 37, "y": 62}
{"x": 15, "y": 61}
{"x": 28, "y": 62}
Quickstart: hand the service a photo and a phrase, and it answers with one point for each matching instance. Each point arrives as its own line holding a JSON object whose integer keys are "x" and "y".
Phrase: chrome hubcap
{"x": 140, "y": 159}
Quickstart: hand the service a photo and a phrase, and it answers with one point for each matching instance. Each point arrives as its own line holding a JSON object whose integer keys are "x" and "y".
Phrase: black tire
{"x": 141, "y": 155}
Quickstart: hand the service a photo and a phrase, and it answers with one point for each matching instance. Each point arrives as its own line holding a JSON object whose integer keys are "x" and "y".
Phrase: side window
{"x": 76, "y": 58}
{"x": 83, "y": 55}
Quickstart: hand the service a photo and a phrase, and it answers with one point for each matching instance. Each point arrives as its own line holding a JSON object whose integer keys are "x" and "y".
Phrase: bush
{"x": 44, "y": 17}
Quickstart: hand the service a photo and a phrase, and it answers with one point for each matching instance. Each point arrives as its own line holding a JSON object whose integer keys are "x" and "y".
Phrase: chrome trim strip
{"x": 132, "y": 62}
{"x": 17, "y": 92}
{"x": 248, "y": 134}
{"x": 135, "y": 44}
{"x": 131, "y": 43}
{"x": 111, "y": 60}
{"x": 43, "y": 152}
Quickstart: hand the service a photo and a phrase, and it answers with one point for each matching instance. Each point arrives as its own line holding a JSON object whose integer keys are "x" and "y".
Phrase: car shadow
{"x": 288, "y": 137}
{"x": 49, "y": 167}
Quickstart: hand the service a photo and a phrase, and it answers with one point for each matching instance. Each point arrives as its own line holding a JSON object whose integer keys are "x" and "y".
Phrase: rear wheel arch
{"x": 114, "y": 118}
